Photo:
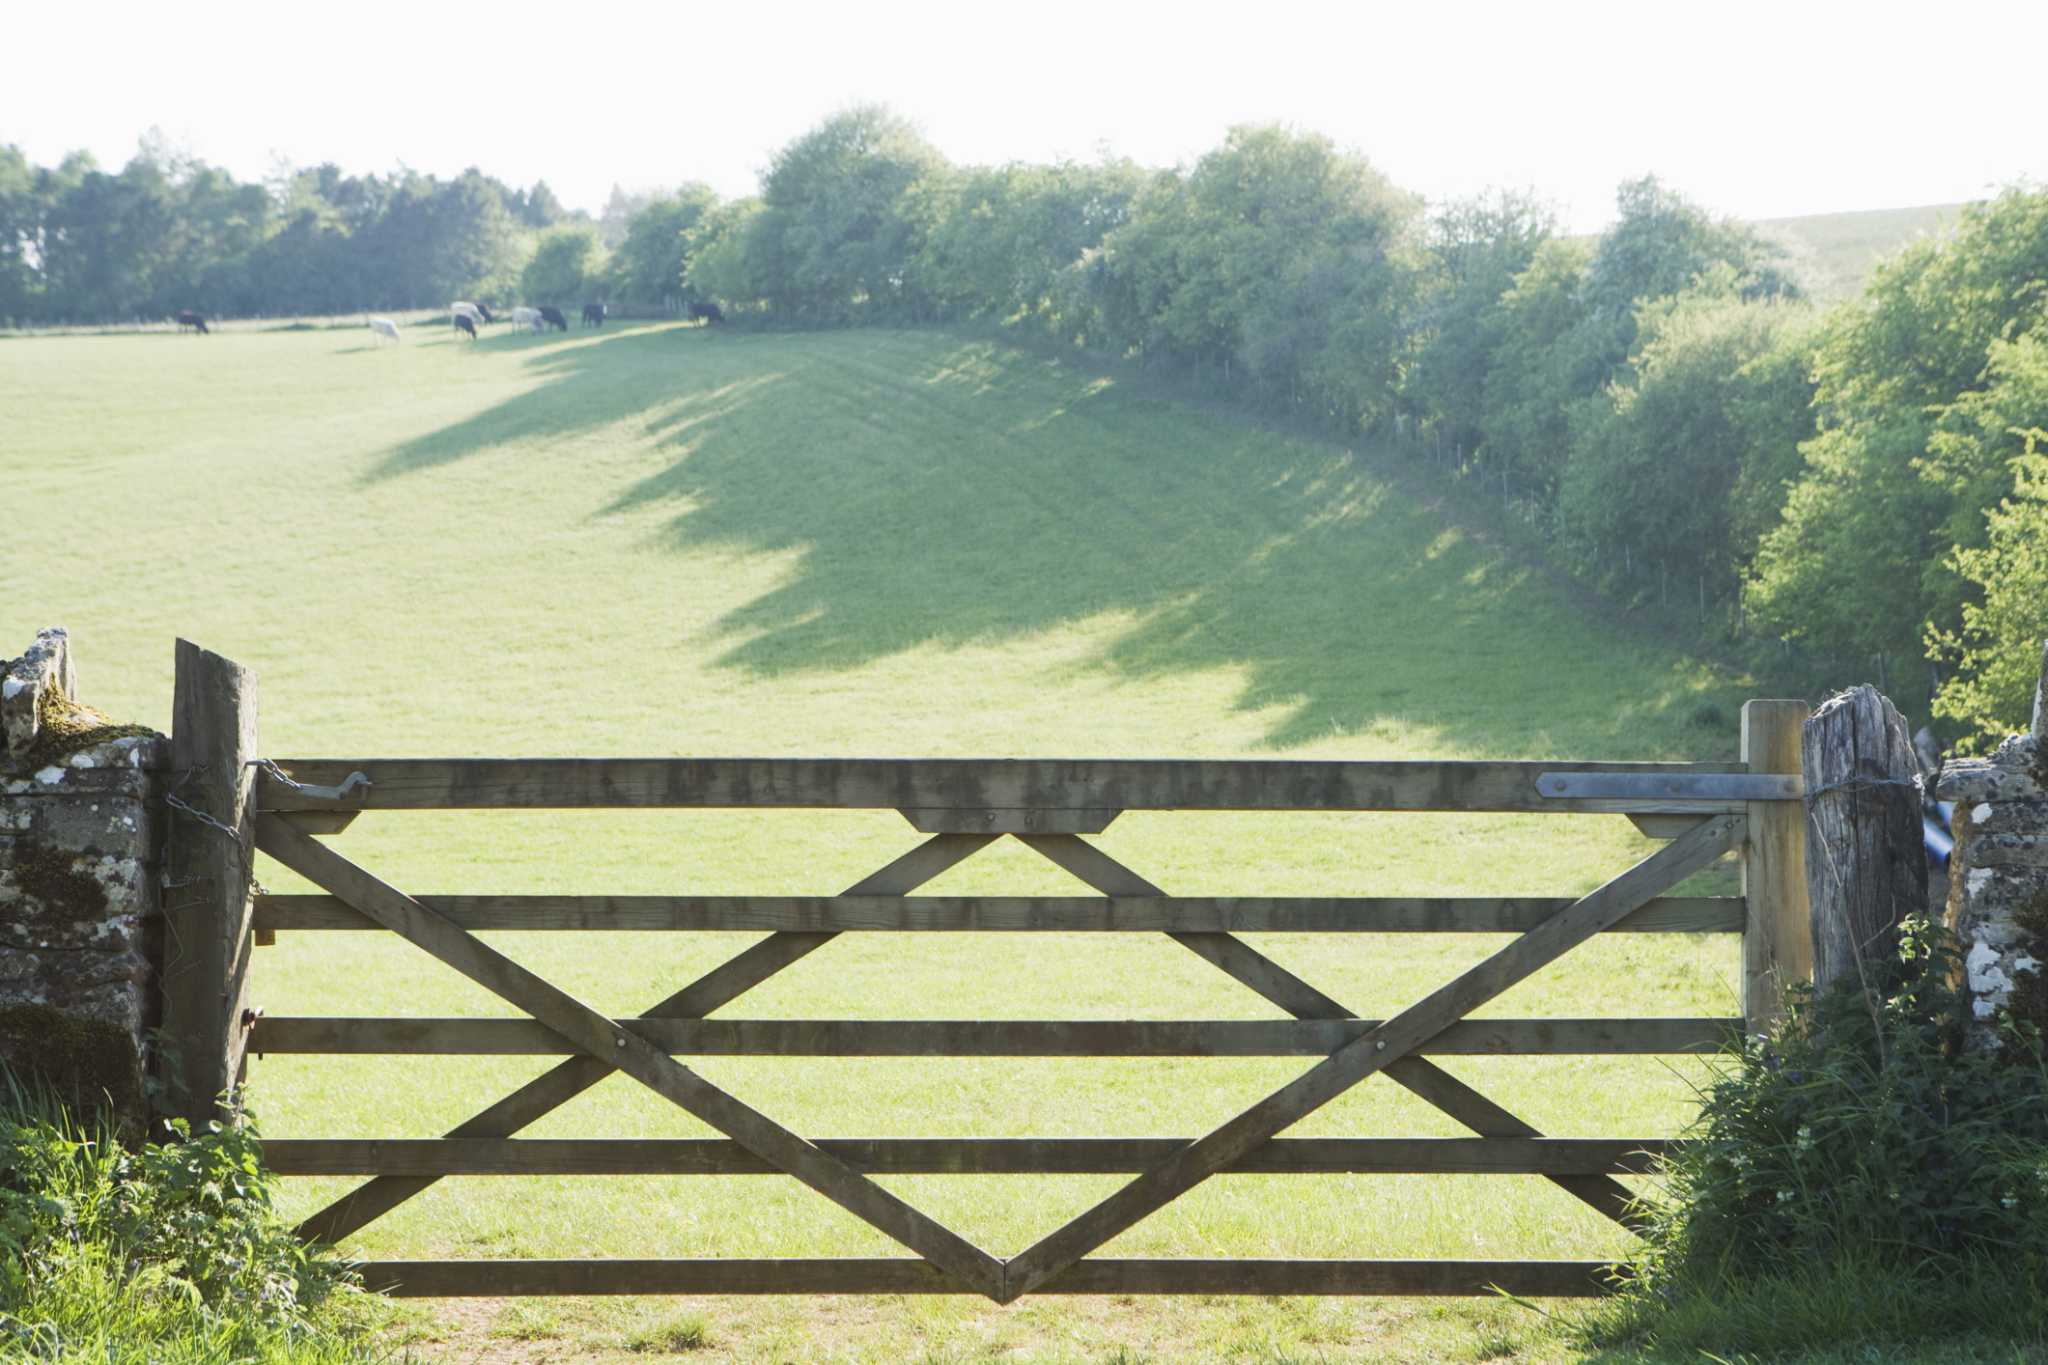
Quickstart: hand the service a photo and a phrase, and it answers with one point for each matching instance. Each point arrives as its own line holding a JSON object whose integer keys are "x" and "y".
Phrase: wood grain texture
{"x": 465, "y": 1036}
{"x": 208, "y": 875}
{"x": 902, "y": 1275}
{"x": 718, "y": 987}
{"x": 935, "y": 784}
{"x": 1011, "y": 914}
{"x": 1866, "y": 865}
{"x": 1776, "y": 949}
{"x": 957, "y": 1156}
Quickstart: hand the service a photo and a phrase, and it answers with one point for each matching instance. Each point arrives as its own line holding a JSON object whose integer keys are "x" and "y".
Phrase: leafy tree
{"x": 1539, "y": 365}
{"x": 1872, "y": 497}
{"x": 1475, "y": 249}
{"x": 1996, "y": 651}
{"x": 566, "y": 263}
{"x": 833, "y": 218}
{"x": 653, "y": 252}
{"x": 1692, "y": 447}
{"x": 727, "y": 258}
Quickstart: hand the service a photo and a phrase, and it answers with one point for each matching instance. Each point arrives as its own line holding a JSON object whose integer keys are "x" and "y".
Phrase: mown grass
{"x": 672, "y": 540}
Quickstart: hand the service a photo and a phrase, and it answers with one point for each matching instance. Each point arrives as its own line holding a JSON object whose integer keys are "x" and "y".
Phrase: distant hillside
{"x": 1833, "y": 253}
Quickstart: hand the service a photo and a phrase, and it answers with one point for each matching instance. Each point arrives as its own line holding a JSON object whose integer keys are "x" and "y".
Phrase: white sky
{"x": 1755, "y": 110}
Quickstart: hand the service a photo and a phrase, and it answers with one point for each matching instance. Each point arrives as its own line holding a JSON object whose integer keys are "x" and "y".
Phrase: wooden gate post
{"x": 1777, "y": 947}
{"x": 1867, "y": 867}
{"x": 208, "y": 862}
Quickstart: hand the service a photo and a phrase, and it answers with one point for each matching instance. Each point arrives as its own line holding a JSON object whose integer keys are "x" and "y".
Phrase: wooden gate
{"x": 962, "y": 806}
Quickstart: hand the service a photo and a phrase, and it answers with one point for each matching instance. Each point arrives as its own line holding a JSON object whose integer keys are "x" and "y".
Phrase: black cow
{"x": 706, "y": 312}
{"x": 463, "y": 324}
{"x": 553, "y": 318}
{"x": 485, "y": 309}
{"x": 188, "y": 318}
{"x": 593, "y": 315}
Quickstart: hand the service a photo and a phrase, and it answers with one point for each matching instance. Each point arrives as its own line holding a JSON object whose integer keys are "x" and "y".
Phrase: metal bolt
{"x": 619, "y": 1041}
{"x": 1380, "y": 1046}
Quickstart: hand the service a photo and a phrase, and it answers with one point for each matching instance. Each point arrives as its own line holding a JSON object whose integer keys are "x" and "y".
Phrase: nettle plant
{"x": 1864, "y": 1132}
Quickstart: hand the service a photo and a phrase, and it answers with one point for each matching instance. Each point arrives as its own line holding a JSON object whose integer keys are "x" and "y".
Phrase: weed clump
{"x": 162, "y": 1252}
{"x": 65, "y": 727}
{"x": 1862, "y": 1152}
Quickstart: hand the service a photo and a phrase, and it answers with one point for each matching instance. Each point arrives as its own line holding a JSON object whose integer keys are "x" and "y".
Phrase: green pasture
{"x": 663, "y": 539}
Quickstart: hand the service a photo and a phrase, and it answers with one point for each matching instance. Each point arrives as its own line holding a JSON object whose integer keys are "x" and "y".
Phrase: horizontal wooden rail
{"x": 1052, "y": 914}
{"x": 1005, "y": 791}
{"x": 903, "y": 1275}
{"x": 988, "y": 1038}
{"x": 957, "y": 1156}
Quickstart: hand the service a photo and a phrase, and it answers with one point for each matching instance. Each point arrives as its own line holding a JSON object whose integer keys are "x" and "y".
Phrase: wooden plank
{"x": 1776, "y": 943}
{"x": 209, "y": 859}
{"x": 718, "y": 987}
{"x": 1745, "y": 786}
{"x": 1010, "y": 820}
{"x": 1344, "y": 1069}
{"x": 1271, "y": 981}
{"x": 901, "y": 1275}
{"x": 958, "y": 1156}
{"x": 1012, "y": 914}
{"x": 1866, "y": 856}
{"x": 463, "y": 1036}
{"x": 598, "y": 1036}
{"x": 1007, "y": 784}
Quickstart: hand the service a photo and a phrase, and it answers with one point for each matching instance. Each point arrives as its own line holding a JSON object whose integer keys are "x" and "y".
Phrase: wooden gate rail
{"x": 958, "y": 1156}
{"x": 462, "y": 1036}
{"x": 1704, "y": 809}
{"x": 1019, "y": 914}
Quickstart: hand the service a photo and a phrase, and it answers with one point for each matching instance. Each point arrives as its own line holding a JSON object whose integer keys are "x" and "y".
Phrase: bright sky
{"x": 1755, "y": 110}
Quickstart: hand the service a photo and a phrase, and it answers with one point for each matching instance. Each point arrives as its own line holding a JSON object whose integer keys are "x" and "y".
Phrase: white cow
{"x": 529, "y": 318}
{"x": 385, "y": 327}
{"x": 460, "y": 309}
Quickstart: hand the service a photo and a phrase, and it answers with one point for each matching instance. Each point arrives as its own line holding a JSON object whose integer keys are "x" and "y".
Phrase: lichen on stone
{"x": 52, "y": 877}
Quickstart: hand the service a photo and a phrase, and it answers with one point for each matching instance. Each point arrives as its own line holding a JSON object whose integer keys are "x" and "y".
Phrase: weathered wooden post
{"x": 208, "y": 861}
{"x": 1776, "y": 942}
{"x": 1867, "y": 863}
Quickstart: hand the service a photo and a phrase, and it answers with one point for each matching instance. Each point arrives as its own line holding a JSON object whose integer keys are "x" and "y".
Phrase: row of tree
{"x": 79, "y": 244}
{"x": 1659, "y": 404}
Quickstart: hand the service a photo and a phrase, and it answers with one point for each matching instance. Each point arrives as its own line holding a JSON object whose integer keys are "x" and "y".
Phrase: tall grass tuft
{"x": 1858, "y": 1178}
{"x": 169, "y": 1252}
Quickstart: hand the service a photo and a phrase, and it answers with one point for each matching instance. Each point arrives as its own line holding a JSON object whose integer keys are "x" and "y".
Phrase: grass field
{"x": 667, "y": 540}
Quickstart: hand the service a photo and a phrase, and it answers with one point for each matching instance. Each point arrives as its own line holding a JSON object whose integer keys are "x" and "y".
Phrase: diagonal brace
{"x": 591, "y": 1032}
{"x": 1396, "y": 1038}
{"x": 559, "y": 1084}
{"x": 1259, "y": 973}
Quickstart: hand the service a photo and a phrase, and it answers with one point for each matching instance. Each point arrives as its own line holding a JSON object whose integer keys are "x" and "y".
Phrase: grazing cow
{"x": 188, "y": 318}
{"x": 460, "y": 309}
{"x": 385, "y": 327}
{"x": 529, "y": 318}
{"x": 463, "y": 323}
{"x": 593, "y": 315}
{"x": 707, "y": 312}
{"x": 485, "y": 309}
{"x": 553, "y": 318}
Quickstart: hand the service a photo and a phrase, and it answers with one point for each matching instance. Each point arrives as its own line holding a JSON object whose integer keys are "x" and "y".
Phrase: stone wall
{"x": 1998, "y": 876}
{"x": 80, "y": 922}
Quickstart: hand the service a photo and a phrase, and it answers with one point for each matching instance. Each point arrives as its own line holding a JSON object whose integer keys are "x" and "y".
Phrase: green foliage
{"x": 166, "y": 1252}
{"x": 1879, "y": 492}
{"x": 566, "y": 265}
{"x": 653, "y": 254}
{"x": 836, "y": 233}
{"x": 1862, "y": 1137}
{"x": 1997, "y": 653}
{"x": 1686, "y": 457}
{"x": 726, "y": 258}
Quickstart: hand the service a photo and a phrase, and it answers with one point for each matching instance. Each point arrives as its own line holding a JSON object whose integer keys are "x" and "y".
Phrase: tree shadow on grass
{"x": 937, "y": 491}
{"x": 579, "y": 382}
